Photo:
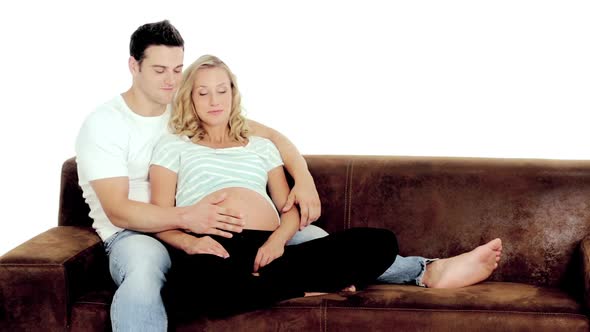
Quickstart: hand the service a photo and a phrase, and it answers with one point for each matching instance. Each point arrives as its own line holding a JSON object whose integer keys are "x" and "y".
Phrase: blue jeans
{"x": 138, "y": 264}
{"x": 405, "y": 270}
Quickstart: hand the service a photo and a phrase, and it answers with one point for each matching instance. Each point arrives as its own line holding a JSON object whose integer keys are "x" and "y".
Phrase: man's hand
{"x": 269, "y": 251}
{"x": 306, "y": 195}
{"x": 204, "y": 245}
{"x": 206, "y": 217}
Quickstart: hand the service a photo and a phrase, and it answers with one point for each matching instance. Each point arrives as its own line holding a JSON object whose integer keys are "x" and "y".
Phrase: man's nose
{"x": 170, "y": 79}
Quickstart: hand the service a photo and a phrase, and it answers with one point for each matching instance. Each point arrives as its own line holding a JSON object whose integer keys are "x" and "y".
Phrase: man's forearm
{"x": 145, "y": 217}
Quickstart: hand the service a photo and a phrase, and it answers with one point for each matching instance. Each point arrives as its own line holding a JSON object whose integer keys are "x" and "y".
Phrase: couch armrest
{"x": 585, "y": 249}
{"x": 39, "y": 278}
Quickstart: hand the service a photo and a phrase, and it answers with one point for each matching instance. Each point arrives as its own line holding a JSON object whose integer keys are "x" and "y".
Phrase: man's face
{"x": 160, "y": 73}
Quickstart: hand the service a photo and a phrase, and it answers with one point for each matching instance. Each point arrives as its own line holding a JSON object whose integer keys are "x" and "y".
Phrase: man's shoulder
{"x": 109, "y": 113}
{"x": 105, "y": 124}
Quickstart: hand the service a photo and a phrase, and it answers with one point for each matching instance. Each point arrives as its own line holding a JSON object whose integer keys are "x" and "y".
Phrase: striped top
{"x": 202, "y": 170}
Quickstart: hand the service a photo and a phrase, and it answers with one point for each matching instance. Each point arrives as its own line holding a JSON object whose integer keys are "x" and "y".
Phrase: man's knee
{"x": 309, "y": 233}
{"x": 139, "y": 257}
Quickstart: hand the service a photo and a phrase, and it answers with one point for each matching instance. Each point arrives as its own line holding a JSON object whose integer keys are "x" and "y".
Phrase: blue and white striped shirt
{"x": 203, "y": 170}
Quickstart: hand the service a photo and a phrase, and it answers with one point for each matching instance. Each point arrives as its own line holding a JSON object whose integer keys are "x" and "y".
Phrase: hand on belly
{"x": 259, "y": 213}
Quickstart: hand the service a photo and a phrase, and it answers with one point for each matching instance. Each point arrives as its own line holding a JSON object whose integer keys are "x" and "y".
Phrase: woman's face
{"x": 212, "y": 96}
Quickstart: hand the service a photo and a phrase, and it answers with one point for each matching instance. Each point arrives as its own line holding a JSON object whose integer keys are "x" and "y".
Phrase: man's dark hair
{"x": 158, "y": 33}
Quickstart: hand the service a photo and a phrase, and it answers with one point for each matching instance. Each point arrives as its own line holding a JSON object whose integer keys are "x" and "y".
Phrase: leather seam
{"x": 80, "y": 253}
{"x": 346, "y": 193}
{"x": 325, "y": 310}
{"x": 350, "y": 193}
{"x": 95, "y": 303}
{"x": 466, "y": 310}
{"x": 30, "y": 264}
{"x": 324, "y": 307}
{"x": 62, "y": 263}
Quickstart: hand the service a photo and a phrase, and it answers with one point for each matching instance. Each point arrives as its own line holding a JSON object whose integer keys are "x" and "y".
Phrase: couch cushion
{"x": 491, "y": 306}
{"x": 504, "y": 296}
{"x": 494, "y": 306}
{"x": 91, "y": 313}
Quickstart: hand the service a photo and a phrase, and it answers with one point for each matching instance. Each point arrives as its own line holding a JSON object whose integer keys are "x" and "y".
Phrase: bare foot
{"x": 350, "y": 288}
{"x": 314, "y": 294}
{"x": 465, "y": 269}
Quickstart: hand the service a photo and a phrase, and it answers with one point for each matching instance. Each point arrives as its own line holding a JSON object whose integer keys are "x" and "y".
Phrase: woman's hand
{"x": 269, "y": 251}
{"x": 203, "y": 245}
{"x": 306, "y": 195}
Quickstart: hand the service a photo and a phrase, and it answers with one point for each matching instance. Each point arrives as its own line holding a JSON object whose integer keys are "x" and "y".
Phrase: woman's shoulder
{"x": 260, "y": 143}
{"x": 258, "y": 140}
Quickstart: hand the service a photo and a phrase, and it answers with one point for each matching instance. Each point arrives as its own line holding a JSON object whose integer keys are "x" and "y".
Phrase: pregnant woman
{"x": 210, "y": 154}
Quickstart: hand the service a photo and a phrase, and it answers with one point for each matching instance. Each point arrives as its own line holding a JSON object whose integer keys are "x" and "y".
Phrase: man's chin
{"x": 165, "y": 101}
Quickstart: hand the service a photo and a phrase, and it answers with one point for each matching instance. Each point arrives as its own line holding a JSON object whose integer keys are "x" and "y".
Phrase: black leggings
{"x": 215, "y": 286}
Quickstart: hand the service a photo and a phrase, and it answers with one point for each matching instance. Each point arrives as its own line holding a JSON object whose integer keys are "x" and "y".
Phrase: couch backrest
{"x": 440, "y": 207}
{"x": 73, "y": 210}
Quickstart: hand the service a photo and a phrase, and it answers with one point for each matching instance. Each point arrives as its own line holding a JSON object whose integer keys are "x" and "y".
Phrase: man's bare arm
{"x": 304, "y": 191}
{"x": 163, "y": 185}
{"x": 123, "y": 212}
{"x": 294, "y": 161}
{"x": 203, "y": 217}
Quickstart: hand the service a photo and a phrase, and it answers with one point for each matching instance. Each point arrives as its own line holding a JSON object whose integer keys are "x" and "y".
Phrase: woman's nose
{"x": 212, "y": 99}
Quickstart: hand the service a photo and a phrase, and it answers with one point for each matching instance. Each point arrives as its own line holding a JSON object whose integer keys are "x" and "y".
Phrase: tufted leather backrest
{"x": 440, "y": 207}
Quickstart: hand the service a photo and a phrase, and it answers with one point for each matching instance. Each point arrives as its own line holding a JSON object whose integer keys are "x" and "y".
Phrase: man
{"x": 113, "y": 150}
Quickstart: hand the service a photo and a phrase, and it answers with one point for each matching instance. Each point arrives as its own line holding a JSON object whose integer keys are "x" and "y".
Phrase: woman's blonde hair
{"x": 184, "y": 119}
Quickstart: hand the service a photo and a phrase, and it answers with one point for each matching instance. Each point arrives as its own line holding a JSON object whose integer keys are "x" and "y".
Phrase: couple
{"x": 114, "y": 150}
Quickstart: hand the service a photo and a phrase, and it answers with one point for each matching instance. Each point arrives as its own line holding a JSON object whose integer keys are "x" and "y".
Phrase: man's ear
{"x": 133, "y": 66}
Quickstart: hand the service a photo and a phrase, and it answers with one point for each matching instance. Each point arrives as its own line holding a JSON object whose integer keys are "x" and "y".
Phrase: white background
{"x": 430, "y": 78}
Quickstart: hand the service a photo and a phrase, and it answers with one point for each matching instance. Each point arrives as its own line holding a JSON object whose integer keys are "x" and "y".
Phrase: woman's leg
{"x": 218, "y": 287}
{"x": 457, "y": 271}
{"x": 405, "y": 270}
{"x": 354, "y": 256}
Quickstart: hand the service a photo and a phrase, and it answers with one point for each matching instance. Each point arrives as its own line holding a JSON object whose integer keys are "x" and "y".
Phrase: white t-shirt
{"x": 113, "y": 142}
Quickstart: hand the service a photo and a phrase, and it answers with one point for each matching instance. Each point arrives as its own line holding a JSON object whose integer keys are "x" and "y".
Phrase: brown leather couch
{"x": 438, "y": 207}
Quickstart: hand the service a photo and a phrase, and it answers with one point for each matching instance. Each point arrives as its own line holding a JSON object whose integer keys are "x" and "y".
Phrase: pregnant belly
{"x": 260, "y": 213}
